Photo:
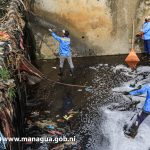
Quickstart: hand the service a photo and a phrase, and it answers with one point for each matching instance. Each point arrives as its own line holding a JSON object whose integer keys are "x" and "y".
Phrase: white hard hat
{"x": 63, "y": 31}
{"x": 147, "y": 17}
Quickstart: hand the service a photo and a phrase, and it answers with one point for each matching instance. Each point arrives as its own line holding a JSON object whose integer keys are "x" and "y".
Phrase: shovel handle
{"x": 133, "y": 32}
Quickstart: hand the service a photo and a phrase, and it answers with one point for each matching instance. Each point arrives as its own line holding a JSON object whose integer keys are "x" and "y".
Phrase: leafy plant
{"x": 11, "y": 93}
{"x": 4, "y": 74}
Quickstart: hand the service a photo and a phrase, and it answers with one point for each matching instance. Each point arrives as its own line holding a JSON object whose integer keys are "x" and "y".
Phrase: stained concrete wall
{"x": 101, "y": 27}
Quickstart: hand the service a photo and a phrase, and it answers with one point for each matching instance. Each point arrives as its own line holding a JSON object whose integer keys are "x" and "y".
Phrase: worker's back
{"x": 147, "y": 102}
{"x": 144, "y": 90}
{"x": 64, "y": 45}
{"x": 64, "y": 49}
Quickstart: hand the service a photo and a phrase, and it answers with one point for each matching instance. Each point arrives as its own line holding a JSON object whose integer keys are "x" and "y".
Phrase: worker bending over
{"x": 132, "y": 131}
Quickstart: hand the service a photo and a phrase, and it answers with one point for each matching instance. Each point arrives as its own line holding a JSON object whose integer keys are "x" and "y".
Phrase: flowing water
{"x": 103, "y": 109}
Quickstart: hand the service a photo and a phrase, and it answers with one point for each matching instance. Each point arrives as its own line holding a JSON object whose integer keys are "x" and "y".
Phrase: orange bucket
{"x": 132, "y": 59}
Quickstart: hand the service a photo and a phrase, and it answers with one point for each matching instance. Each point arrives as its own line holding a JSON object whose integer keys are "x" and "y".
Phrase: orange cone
{"x": 132, "y": 59}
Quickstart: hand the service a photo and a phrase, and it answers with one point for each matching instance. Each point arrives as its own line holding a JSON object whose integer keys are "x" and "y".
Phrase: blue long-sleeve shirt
{"x": 144, "y": 89}
{"x": 64, "y": 45}
{"x": 146, "y": 30}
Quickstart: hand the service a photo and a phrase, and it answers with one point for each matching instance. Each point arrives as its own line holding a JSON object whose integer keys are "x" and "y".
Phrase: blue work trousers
{"x": 147, "y": 46}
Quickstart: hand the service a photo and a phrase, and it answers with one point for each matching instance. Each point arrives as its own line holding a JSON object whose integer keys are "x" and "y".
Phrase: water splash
{"x": 113, "y": 128}
{"x": 108, "y": 111}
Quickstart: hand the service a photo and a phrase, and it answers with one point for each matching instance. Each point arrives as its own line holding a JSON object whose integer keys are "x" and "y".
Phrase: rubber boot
{"x": 72, "y": 71}
{"x": 61, "y": 72}
{"x": 148, "y": 56}
{"x": 132, "y": 132}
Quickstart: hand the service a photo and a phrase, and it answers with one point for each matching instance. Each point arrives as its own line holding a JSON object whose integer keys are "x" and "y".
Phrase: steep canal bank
{"x": 16, "y": 44}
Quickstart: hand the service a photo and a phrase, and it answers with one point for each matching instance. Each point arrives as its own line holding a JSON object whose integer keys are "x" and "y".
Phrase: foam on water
{"x": 121, "y": 67}
{"x": 113, "y": 128}
{"x": 143, "y": 69}
{"x": 111, "y": 124}
{"x": 115, "y": 120}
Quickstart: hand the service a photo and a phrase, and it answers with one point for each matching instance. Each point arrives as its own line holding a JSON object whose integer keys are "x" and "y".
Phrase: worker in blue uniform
{"x": 64, "y": 50}
{"x": 145, "y": 111}
{"x": 145, "y": 34}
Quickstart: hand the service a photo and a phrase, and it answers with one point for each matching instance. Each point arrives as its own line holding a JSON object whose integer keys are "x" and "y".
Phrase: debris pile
{"x": 14, "y": 67}
{"x": 45, "y": 126}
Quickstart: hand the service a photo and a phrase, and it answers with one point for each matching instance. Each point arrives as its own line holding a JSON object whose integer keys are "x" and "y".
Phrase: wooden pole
{"x": 133, "y": 32}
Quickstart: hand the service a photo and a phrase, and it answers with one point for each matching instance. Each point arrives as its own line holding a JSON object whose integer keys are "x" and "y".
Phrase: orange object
{"x": 132, "y": 59}
{"x": 4, "y": 36}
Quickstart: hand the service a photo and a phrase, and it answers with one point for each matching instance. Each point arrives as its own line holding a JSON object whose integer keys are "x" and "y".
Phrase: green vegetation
{"x": 11, "y": 93}
{"x": 4, "y": 74}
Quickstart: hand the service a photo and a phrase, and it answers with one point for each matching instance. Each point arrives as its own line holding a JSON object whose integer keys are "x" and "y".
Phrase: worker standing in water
{"x": 132, "y": 130}
{"x": 64, "y": 50}
{"x": 145, "y": 34}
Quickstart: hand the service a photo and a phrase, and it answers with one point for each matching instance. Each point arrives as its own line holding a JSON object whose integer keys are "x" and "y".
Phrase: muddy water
{"x": 102, "y": 113}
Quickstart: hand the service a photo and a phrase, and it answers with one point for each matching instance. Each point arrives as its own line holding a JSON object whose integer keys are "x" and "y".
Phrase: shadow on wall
{"x": 46, "y": 46}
